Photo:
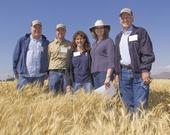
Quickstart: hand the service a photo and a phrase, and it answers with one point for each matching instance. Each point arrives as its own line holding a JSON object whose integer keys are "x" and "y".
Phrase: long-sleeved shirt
{"x": 102, "y": 54}
{"x": 73, "y": 67}
{"x": 140, "y": 49}
{"x": 33, "y": 57}
{"x": 20, "y": 54}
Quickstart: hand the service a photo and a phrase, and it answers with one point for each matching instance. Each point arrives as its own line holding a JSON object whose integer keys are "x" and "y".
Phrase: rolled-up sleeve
{"x": 110, "y": 53}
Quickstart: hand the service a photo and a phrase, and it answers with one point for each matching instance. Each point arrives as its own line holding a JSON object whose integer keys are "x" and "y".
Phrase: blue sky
{"x": 16, "y": 15}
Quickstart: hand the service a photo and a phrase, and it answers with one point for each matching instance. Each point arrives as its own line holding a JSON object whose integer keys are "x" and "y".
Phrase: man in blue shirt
{"x": 133, "y": 62}
{"x": 30, "y": 58}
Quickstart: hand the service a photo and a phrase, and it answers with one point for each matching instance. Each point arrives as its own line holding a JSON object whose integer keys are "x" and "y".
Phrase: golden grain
{"x": 34, "y": 111}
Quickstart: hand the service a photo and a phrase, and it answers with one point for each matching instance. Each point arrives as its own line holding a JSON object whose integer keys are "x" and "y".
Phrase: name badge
{"x": 63, "y": 49}
{"x": 133, "y": 38}
{"x": 75, "y": 54}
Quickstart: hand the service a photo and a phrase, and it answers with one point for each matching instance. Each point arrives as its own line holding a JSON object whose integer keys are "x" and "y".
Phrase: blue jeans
{"x": 86, "y": 86}
{"x": 22, "y": 81}
{"x": 56, "y": 81}
{"x": 98, "y": 79}
{"x": 133, "y": 91}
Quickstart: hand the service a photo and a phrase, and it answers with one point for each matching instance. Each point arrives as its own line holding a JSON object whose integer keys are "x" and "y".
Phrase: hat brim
{"x": 105, "y": 26}
{"x": 130, "y": 13}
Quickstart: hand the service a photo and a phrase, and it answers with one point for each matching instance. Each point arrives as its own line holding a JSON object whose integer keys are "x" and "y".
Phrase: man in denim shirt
{"x": 30, "y": 59}
{"x": 133, "y": 61}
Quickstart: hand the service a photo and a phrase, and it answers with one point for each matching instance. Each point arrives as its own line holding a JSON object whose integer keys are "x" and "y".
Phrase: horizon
{"x": 16, "y": 17}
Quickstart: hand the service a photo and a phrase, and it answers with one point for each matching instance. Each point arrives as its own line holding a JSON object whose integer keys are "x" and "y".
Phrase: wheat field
{"x": 34, "y": 111}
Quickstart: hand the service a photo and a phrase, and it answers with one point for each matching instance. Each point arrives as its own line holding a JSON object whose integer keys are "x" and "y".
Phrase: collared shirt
{"x": 57, "y": 52}
{"x": 33, "y": 57}
{"x": 124, "y": 47}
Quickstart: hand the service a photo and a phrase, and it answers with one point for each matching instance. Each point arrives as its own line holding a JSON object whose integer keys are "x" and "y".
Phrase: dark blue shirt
{"x": 81, "y": 68}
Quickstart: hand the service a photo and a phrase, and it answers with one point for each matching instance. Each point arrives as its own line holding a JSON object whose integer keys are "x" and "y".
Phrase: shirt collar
{"x": 127, "y": 32}
{"x": 57, "y": 41}
{"x": 35, "y": 39}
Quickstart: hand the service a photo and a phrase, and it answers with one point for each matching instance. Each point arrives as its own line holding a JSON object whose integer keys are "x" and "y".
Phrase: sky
{"x": 16, "y": 17}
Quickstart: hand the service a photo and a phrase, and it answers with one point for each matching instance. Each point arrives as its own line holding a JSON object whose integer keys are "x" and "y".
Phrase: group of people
{"x": 70, "y": 66}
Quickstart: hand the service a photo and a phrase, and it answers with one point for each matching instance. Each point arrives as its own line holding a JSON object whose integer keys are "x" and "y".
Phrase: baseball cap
{"x": 35, "y": 22}
{"x": 60, "y": 25}
{"x": 126, "y": 10}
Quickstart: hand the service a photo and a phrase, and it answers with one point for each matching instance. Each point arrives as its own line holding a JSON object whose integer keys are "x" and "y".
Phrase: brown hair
{"x": 106, "y": 33}
{"x": 86, "y": 45}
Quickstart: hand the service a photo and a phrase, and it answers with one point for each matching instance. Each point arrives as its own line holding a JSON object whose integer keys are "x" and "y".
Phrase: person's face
{"x": 126, "y": 20}
{"x": 36, "y": 31}
{"x": 99, "y": 31}
{"x": 79, "y": 40}
{"x": 60, "y": 33}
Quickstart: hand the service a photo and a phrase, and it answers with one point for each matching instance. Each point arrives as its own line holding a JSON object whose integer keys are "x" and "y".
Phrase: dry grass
{"x": 36, "y": 112}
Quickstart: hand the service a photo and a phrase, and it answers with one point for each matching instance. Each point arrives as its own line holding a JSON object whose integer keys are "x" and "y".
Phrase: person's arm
{"x": 110, "y": 55}
{"x": 16, "y": 56}
{"x": 68, "y": 73}
{"x": 108, "y": 77}
{"x": 147, "y": 56}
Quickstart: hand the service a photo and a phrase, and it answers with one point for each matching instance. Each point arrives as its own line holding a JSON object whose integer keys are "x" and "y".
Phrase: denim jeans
{"x": 56, "y": 81}
{"x": 22, "y": 81}
{"x": 133, "y": 91}
{"x": 98, "y": 78}
{"x": 86, "y": 86}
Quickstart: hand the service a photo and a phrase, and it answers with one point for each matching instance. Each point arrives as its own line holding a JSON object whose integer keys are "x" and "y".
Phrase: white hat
{"x": 99, "y": 23}
{"x": 60, "y": 25}
{"x": 126, "y": 10}
{"x": 35, "y": 22}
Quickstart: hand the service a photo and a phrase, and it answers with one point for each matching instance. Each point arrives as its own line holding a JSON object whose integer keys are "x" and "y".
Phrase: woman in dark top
{"x": 102, "y": 54}
{"x": 78, "y": 64}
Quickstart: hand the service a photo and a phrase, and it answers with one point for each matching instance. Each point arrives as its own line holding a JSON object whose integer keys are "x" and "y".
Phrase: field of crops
{"x": 34, "y": 111}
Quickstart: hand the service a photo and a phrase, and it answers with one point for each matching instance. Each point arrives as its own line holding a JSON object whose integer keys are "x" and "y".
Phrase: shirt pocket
{"x": 63, "y": 52}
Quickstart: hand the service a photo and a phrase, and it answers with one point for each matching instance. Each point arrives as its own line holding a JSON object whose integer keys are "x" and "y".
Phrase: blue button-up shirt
{"x": 33, "y": 57}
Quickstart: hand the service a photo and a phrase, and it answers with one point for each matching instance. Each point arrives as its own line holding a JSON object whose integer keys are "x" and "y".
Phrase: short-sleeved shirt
{"x": 102, "y": 54}
{"x": 57, "y": 52}
{"x": 81, "y": 68}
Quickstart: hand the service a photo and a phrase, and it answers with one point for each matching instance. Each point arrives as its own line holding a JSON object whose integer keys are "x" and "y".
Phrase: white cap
{"x": 60, "y": 25}
{"x": 35, "y": 22}
{"x": 126, "y": 10}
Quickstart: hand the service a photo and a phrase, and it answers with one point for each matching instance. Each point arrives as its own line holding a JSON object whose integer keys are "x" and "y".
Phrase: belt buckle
{"x": 126, "y": 66}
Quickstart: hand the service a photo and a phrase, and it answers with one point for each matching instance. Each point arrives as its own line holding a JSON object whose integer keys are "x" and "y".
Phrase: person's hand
{"x": 17, "y": 76}
{"x": 117, "y": 78}
{"x": 107, "y": 82}
{"x": 46, "y": 77}
{"x": 146, "y": 77}
{"x": 68, "y": 89}
{"x": 116, "y": 81}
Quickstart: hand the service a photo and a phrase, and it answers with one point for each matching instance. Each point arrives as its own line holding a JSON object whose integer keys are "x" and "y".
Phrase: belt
{"x": 58, "y": 70}
{"x": 126, "y": 66}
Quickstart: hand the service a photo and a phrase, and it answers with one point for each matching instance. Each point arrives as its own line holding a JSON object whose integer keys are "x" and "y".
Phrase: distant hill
{"x": 162, "y": 75}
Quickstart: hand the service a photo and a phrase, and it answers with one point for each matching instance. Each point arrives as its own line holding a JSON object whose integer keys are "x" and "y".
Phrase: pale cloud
{"x": 159, "y": 69}
{"x": 167, "y": 68}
